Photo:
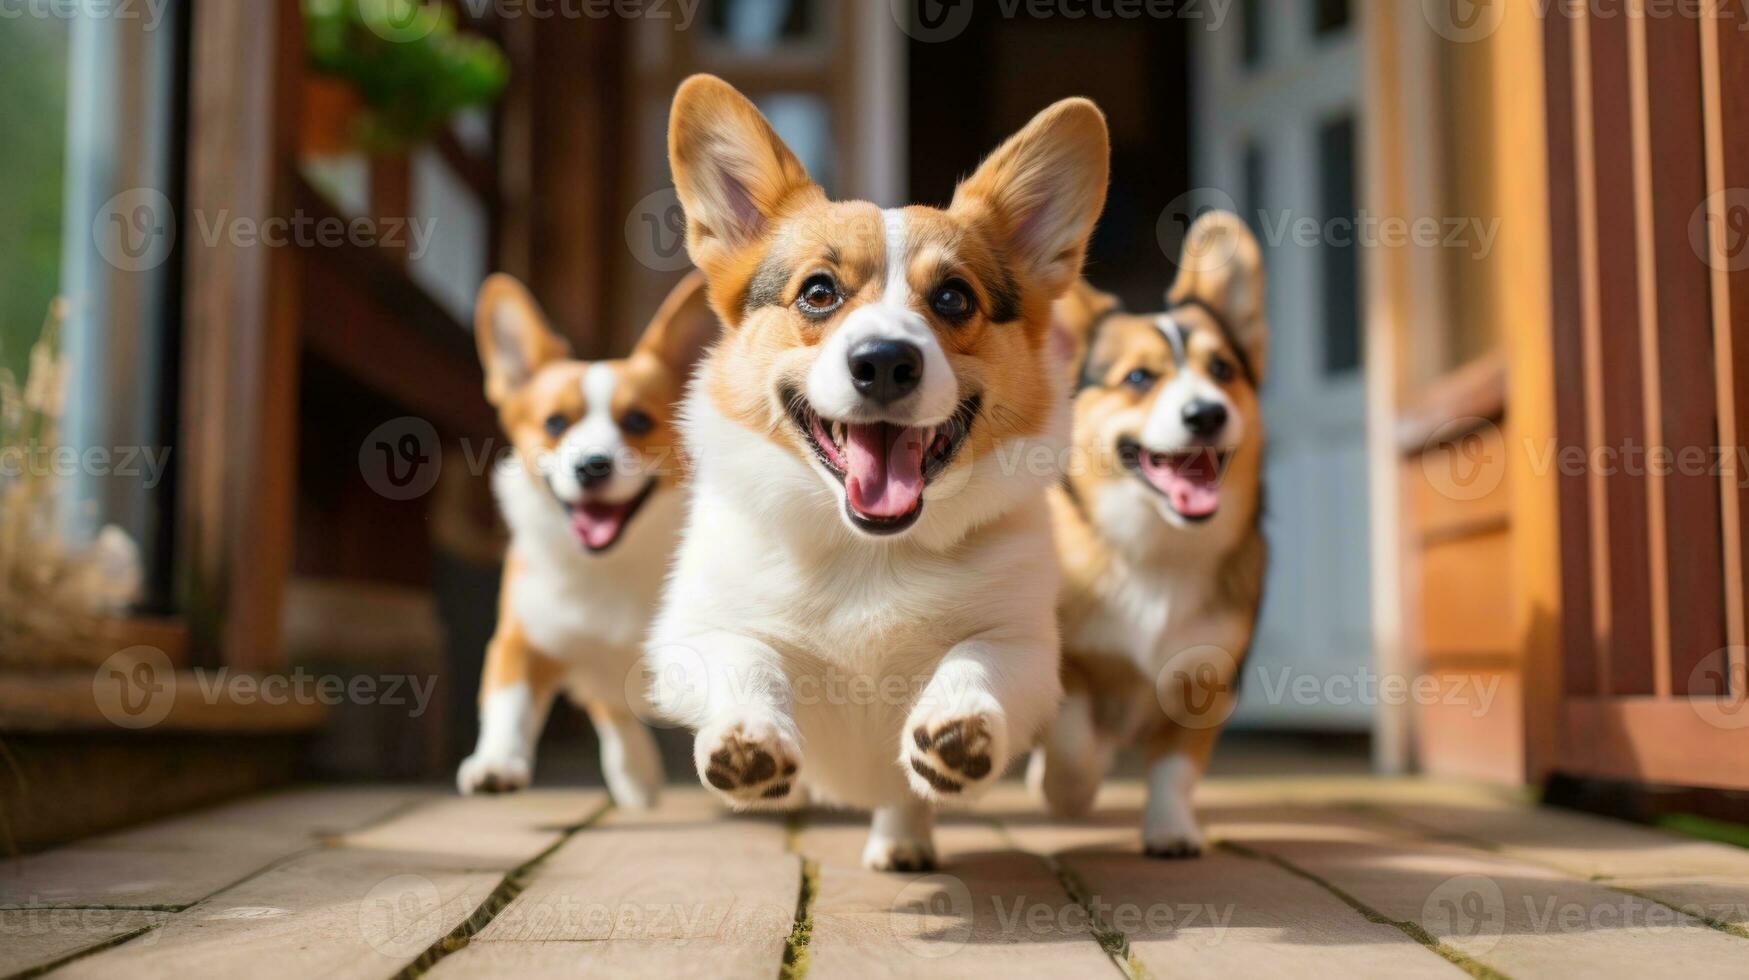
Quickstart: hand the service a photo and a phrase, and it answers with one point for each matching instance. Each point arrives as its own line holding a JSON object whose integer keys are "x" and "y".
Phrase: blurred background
{"x": 252, "y": 438}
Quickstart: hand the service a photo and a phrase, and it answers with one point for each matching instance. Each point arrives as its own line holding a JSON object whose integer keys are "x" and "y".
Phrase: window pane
{"x": 447, "y": 240}
{"x": 1339, "y": 258}
{"x": 1329, "y": 15}
{"x": 1253, "y": 32}
{"x": 754, "y": 26}
{"x": 33, "y": 115}
{"x": 803, "y": 122}
{"x": 1254, "y": 191}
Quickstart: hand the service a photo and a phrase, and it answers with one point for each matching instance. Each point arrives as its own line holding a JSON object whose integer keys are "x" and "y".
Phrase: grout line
{"x": 78, "y": 954}
{"x": 1436, "y": 834}
{"x": 96, "y": 908}
{"x": 513, "y": 884}
{"x": 1111, "y": 939}
{"x": 801, "y": 935}
{"x": 318, "y": 843}
{"x": 1458, "y": 958}
{"x": 1729, "y": 928}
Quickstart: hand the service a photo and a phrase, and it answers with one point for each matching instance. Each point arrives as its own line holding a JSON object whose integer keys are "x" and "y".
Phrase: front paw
{"x": 480, "y": 773}
{"x": 898, "y": 854}
{"x": 1174, "y": 845}
{"x": 954, "y": 755}
{"x": 748, "y": 763}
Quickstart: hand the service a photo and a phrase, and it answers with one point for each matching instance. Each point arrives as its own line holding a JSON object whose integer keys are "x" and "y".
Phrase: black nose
{"x": 1205, "y": 419}
{"x": 886, "y": 370}
{"x": 594, "y": 471}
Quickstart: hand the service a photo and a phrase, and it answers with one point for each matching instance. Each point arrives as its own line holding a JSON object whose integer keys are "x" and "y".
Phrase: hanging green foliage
{"x": 411, "y": 67}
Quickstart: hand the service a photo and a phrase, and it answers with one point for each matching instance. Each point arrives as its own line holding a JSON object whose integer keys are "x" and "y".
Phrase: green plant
{"x": 411, "y": 67}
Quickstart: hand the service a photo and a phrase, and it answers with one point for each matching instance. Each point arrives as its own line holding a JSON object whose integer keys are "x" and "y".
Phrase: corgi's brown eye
{"x": 819, "y": 296}
{"x": 1221, "y": 369}
{"x": 636, "y": 423}
{"x": 556, "y": 425}
{"x": 952, "y": 300}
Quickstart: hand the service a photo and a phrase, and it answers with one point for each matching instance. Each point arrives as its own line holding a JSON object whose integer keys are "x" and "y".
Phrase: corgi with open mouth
{"x": 593, "y": 501}
{"x": 862, "y": 603}
{"x": 1158, "y": 527}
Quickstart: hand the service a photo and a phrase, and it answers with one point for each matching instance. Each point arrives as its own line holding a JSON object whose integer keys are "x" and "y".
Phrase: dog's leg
{"x": 1176, "y": 758}
{"x": 630, "y": 763}
{"x": 516, "y": 690}
{"x": 1066, "y": 769}
{"x": 733, "y": 690}
{"x": 899, "y": 838}
{"x": 988, "y": 694}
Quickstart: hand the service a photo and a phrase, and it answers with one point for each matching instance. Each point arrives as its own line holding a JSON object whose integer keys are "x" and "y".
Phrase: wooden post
{"x": 239, "y": 403}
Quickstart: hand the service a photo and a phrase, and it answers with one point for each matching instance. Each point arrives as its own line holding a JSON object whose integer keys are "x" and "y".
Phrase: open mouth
{"x": 884, "y": 467}
{"x": 599, "y": 525}
{"x": 1189, "y": 480}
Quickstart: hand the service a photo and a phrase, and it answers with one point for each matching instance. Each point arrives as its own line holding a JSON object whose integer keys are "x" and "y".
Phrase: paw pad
{"x": 952, "y": 754}
{"x": 749, "y": 768}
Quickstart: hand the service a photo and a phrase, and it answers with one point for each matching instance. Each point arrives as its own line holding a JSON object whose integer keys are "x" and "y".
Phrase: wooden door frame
{"x": 1514, "y": 388}
{"x": 237, "y": 489}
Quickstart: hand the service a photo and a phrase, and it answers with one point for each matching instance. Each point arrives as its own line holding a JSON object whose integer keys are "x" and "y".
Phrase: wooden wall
{"x": 1648, "y": 128}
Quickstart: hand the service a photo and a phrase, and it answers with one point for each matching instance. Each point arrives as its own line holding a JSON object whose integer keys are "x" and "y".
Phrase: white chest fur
{"x": 1165, "y": 595}
{"x": 852, "y": 629}
{"x": 572, "y": 604}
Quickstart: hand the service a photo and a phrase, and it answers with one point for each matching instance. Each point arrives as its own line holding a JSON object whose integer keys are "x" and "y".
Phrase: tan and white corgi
{"x": 1158, "y": 530}
{"x": 863, "y": 600}
{"x": 592, "y": 498}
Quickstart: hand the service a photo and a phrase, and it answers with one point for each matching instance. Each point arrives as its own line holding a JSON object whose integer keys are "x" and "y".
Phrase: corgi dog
{"x": 1158, "y": 529}
{"x": 862, "y": 602}
{"x": 592, "y": 498}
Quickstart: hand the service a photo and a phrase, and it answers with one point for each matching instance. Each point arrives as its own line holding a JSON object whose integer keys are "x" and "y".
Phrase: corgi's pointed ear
{"x": 513, "y": 336}
{"x": 733, "y": 173}
{"x": 1072, "y": 322}
{"x": 1043, "y": 189}
{"x": 1222, "y": 268}
{"x": 682, "y": 328}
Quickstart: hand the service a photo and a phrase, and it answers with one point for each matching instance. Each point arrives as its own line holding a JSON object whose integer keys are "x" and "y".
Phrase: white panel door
{"x": 1276, "y": 108}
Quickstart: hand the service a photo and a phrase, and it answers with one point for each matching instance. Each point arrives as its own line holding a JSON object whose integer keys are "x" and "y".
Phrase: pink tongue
{"x": 1191, "y": 482}
{"x": 598, "y": 525}
{"x": 884, "y": 471}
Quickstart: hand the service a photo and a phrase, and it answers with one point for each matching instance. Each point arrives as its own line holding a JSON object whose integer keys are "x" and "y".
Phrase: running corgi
{"x": 1158, "y": 530}
{"x": 593, "y": 502}
{"x": 863, "y": 601}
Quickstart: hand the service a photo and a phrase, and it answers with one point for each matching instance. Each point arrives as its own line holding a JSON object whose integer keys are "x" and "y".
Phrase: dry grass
{"x": 56, "y": 594}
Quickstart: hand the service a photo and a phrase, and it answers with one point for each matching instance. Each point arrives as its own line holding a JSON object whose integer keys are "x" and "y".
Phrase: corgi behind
{"x": 863, "y": 599}
{"x": 1158, "y": 530}
{"x": 592, "y": 501}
